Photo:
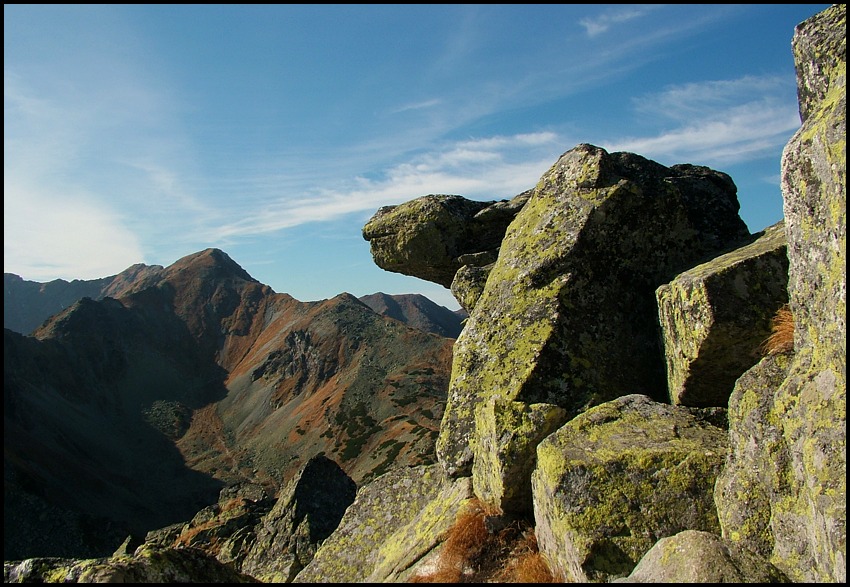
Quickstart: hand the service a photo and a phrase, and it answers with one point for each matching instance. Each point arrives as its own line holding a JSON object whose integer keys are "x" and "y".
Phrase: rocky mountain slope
{"x": 133, "y": 412}
{"x": 580, "y": 440}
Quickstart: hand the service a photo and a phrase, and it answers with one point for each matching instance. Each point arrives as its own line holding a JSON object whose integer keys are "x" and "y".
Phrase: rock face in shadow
{"x": 392, "y": 524}
{"x": 307, "y": 511}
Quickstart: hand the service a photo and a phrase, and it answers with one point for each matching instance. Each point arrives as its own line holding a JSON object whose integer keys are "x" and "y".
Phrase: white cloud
{"x": 488, "y": 169}
{"x": 727, "y": 121}
{"x": 597, "y": 25}
{"x": 418, "y": 106}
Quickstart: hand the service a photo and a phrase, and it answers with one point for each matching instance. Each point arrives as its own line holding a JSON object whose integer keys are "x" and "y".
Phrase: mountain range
{"x": 136, "y": 398}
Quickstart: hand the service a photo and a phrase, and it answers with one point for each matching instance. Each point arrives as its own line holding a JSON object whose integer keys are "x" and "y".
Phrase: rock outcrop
{"x": 392, "y": 524}
{"x": 568, "y": 316}
{"x": 146, "y": 565}
{"x": 787, "y": 501}
{"x": 714, "y": 317}
{"x": 307, "y": 511}
{"x": 559, "y": 415}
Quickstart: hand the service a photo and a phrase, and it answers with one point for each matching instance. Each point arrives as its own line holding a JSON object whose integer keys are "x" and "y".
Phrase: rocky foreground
{"x": 613, "y": 413}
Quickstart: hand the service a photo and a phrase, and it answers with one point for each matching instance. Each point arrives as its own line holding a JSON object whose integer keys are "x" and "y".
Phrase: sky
{"x": 145, "y": 133}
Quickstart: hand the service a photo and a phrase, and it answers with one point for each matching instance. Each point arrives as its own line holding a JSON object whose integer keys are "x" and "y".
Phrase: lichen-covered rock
{"x": 714, "y": 316}
{"x": 468, "y": 285}
{"x": 149, "y": 564}
{"x": 506, "y": 451}
{"x": 568, "y": 314}
{"x": 701, "y": 557}
{"x": 752, "y": 478}
{"x": 433, "y": 236}
{"x": 393, "y": 523}
{"x": 799, "y": 501}
{"x": 307, "y": 511}
{"x": 614, "y": 480}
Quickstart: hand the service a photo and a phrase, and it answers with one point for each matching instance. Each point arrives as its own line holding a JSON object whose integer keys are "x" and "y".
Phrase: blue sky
{"x": 144, "y": 133}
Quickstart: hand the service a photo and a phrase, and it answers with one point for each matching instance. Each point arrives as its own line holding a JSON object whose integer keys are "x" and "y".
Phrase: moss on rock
{"x": 615, "y": 479}
{"x": 506, "y": 451}
{"x": 701, "y": 557}
{"x": 394, "y": 522}
{"x": 568, "y": 314}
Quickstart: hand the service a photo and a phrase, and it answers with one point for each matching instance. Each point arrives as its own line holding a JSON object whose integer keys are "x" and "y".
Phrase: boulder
{"x": 506, "y": 451}
{"x": 714, "y": 317}
{"x": 568, "y": 314}
{"x": 701, "y": 557}
{"x": 308, "y": 509}
{"x": 614, "y": 480}
{"x": 433, "y": 236}
{"x": 225, "y": 529}
{"x": 394, "y": 522}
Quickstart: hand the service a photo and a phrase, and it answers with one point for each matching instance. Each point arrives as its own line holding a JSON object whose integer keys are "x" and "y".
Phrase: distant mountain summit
{"x": 27, "y": 304}
{"x": 417, "y": 311}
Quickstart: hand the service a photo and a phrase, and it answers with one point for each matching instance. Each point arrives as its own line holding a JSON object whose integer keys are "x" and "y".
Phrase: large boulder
{"x": 614, "y": 480}
{"x": 714, "y": 317}
{"x": 799, "y": 499}
{"x": 394, "y": 522}
{"x": 433, "y": 236}
{"x": 568, "y": 314}
{"x": 308, "y": 510}
{"x": 506, "y": 451}
{"x": 701, "y": 557}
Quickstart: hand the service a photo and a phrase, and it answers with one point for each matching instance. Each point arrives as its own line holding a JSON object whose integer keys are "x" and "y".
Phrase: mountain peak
{"x": 210, "y": 262}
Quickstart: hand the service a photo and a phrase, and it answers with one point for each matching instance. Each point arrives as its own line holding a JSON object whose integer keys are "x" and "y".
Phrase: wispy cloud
{"x": 488, "y": 168}
{"x": 597, "y": 25}
{"x": 717, "y": 122}
{"x": 417, "y": 106}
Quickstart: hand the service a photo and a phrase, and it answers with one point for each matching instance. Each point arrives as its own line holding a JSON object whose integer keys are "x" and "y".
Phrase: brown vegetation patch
{"x": 484, "y": 547}
{"x": 781, "y": 339}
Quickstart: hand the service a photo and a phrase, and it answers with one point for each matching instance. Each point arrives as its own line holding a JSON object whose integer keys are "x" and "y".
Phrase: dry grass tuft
{"x": 472, "y": 552}
{"x": 781, "y": 339}
{"x": 526, "y": 564}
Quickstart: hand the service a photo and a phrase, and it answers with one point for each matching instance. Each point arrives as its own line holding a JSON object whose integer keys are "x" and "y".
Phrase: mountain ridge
{"x": 218, "y": 380}
{"x": 27, "y": 304}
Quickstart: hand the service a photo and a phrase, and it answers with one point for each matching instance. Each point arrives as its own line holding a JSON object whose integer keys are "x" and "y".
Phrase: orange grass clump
{"x": 781, "y": 339}
{"x": 527, "y": 565}
{"x": 472, "y": 553}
